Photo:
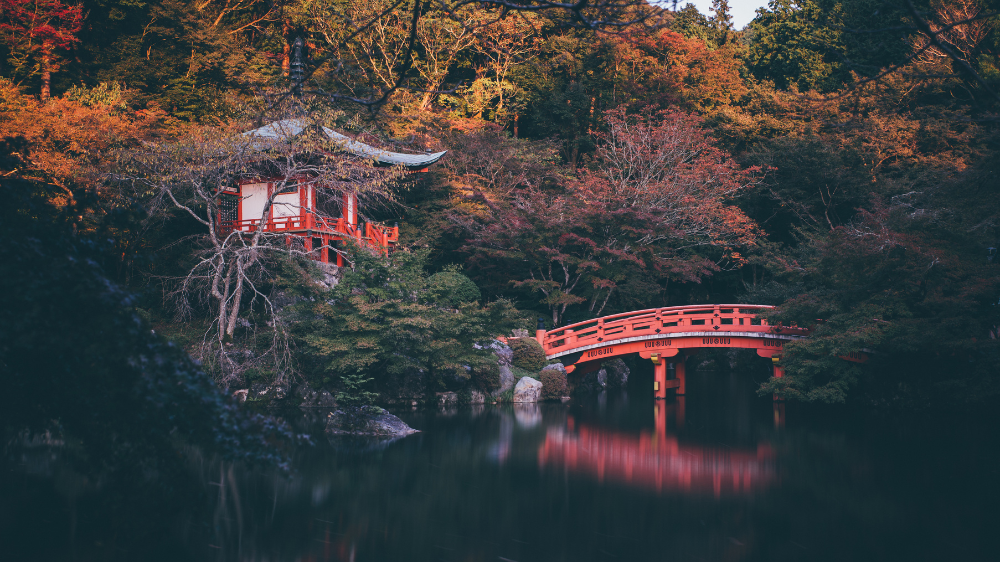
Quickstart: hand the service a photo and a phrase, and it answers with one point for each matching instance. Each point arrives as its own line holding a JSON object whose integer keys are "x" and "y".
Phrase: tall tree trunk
{"x": 286, "y": 55}
{"x": 234, "y": 312}
{"x": 46, "y": 71}
{"x": 425, "y": 103}
{"x": 224, "y": 302}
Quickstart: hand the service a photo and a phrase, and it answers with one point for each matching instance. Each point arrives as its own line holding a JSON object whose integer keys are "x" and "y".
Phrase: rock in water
{"x": 367, "y": 420}
{"x": 617, "y": 373}
{"x": 527, "y": 390}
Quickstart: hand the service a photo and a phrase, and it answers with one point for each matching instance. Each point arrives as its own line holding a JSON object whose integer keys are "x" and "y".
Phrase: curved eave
{"x": 383, "y": 156}
{"x": 290, "y": 128}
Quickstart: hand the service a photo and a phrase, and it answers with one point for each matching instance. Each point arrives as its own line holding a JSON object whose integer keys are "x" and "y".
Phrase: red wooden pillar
{"x": 660, "y": 379}
{"x": 308, "y": 241}
{"x": 325, "y": 252}
{"x": 779, "y": 372}
{"x": 681, "y": 376}
{"x": 660, "y": 420}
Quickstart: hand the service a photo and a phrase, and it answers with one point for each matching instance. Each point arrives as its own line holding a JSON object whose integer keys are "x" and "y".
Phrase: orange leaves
{"x": 66, "y": 140}
{"x": 668, "y": 65}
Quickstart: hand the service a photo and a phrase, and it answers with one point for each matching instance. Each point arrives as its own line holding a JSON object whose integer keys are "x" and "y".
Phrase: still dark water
{"x": 612, "y": 477}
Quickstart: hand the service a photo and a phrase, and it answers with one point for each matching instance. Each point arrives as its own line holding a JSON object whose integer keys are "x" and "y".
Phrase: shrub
{"x": 528, "y": 354}
{"x": 486, "y": 374}
{"x": 553, "y": 384}
{"x": 451, "y": 288}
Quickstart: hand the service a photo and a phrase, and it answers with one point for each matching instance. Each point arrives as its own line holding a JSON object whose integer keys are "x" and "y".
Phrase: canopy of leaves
{"x": 386, "y": 319}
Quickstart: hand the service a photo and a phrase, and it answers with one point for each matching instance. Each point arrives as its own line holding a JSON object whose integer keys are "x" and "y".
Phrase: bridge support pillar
{"x": 779, "y": 372}
{"x": 660, "y": 379}
{"x": 681, "y": 377}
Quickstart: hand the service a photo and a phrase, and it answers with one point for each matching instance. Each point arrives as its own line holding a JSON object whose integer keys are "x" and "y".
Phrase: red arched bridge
{"x": 661, "y": 333}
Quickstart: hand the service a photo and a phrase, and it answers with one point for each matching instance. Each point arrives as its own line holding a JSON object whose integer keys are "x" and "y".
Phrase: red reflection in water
{"x": 656, "y": 461}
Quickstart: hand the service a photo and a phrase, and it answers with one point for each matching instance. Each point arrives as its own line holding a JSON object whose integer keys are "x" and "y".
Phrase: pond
{"x": 713, "y": 476}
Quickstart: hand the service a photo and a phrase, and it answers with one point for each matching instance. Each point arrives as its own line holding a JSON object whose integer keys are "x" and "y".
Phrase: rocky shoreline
{"x": 519, "y": 380}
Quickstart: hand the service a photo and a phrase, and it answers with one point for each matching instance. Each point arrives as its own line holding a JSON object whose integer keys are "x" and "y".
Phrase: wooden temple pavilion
{"x": 294, "y": 210}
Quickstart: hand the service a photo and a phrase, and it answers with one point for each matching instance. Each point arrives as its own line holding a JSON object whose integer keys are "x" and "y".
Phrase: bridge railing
{"x": 692, "y": 318}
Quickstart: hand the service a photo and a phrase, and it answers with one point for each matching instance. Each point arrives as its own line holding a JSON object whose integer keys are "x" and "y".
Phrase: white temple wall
{"x": 254, "y": 198}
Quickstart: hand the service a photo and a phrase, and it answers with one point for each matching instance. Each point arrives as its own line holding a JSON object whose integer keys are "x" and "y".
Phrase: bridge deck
{"x": 667, "y": 330}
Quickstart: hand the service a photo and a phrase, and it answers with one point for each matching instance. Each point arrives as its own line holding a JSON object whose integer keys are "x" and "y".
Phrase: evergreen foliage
{"x": 553, "y": 384}
{"x": 528, "y": 354}
{"x": 384, "y": 320}
{"x": 452, "y": 288}
{"x": 354, "y": 391}
{"x": 485, "y": 373}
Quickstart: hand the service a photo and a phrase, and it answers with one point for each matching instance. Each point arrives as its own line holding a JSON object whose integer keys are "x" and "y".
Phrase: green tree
{"x": 387, "y": 320}
{"x": 797, "y": 43}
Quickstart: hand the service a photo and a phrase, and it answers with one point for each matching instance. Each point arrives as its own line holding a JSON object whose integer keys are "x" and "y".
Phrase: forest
{"x": 835, "y": 158}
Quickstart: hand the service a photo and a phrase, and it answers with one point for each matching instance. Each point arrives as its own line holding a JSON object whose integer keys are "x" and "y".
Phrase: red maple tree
{"x": 35, "y": 29}
{"x": 656, "y": 206}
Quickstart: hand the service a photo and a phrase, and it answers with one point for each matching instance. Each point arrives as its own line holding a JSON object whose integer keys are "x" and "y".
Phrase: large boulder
{"x": 555, "y": 367}
{"x": 616, "y": 373}
{"x": 507, "y": 380}
{"x": 502, "y": 351}
{"x": 476, "y": 397}
{"x": 527, "y": 390}
{"x": 367, "y": 420}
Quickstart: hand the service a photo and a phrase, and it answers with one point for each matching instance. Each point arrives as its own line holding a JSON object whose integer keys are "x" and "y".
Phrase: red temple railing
{"x": 371, "y": 234}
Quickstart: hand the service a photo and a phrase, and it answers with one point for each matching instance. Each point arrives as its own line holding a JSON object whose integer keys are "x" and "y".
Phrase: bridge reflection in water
{"x": 657, "y": 460}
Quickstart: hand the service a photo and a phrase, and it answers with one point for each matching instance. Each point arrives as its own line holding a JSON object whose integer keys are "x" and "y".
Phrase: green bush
{"x": 486, "y": 374}
{"x": 553, "y": 384}
{"x": 520, "y": 373}
{"x": 451, "y": 288}
{"x": 528, "y": 354}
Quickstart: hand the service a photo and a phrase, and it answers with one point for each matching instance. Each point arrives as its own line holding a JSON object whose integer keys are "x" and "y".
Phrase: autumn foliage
{"x": 656, "y": 206}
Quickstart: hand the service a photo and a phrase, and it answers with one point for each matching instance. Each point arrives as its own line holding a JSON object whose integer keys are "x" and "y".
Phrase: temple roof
{"x": 290, "y": 128}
